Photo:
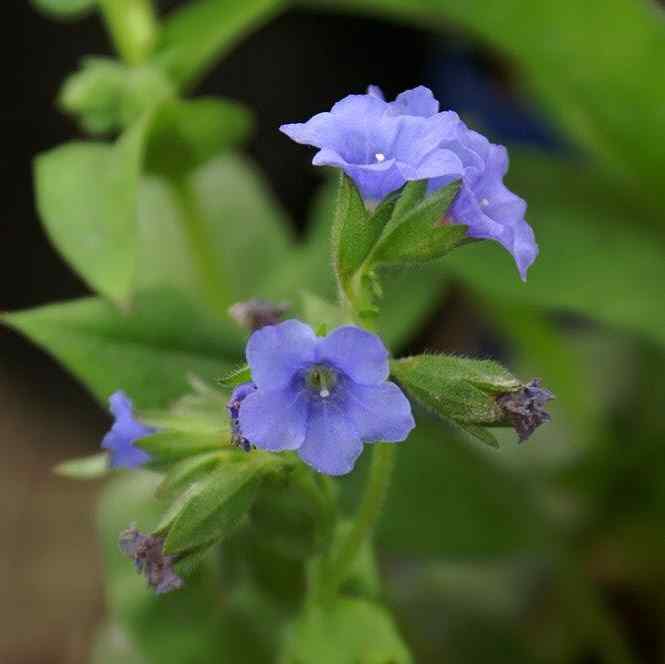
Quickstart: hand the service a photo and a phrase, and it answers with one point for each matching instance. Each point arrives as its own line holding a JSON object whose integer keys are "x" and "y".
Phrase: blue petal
{"x": 419, "y": 101}
{"x": 126, "y": 430}
{"x": 359, "y": 354}
{"x": 274, "y": 353}
{"x": 379, "y": 412}
{"x": 376, "y": 91}
{"x": 274, "y": 420}
{"x": 331, "y": 445}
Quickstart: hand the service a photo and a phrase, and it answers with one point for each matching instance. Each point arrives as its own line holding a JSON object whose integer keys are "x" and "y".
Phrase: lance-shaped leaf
{"x": 458, "y": 388}
{"x": 422, "y": 233}
{"x": 64, "y": 8}
{"x": 167, "y": 447}
{"x": 192, "y": 38}
{"x": 87, "y": 196}
{"x": 215, "y": 506}
{"x": 187, "y": 471}
{"x": 84, "y": 468}
{"x": 150, "y": 354}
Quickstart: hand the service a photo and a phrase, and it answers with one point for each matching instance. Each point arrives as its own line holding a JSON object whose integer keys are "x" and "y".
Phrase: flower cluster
{"x": 126, "y": 430}
{"x": 382, "y": 145}
{"x": 320, "y": 396}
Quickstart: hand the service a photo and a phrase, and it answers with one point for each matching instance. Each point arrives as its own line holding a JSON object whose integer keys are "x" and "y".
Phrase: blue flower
{"x": 321, "y": 396}
{"x": 420, "y": 142}
{"x": 379, "y": 149}
{"x": 124, "y": 433}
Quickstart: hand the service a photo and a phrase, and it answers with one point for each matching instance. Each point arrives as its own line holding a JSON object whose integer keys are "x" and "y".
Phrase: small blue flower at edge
{"x": 323, "y": 397}
{"x": 126, "y": 430}
{"x": 382, "y": 145}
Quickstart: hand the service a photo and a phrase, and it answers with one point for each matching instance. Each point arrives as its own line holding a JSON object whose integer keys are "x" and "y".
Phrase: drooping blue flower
{"x": 379, "y": 149}
{"x": 126, "y": 430}
{"x": 321, "y": 396}
{"x": 484, "y": 204}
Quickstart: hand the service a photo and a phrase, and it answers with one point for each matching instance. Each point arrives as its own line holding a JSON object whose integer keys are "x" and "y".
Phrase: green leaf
{"x": 236, "y": 377}
{"x": 216, "y": 506}
{"x": 353, "y": 235}
{"x": 186, "y": 472}
{"x": 149, "y": 354}
{"x": 192, "y": 38}
{"x": 87, "y": 194}
{"x": 236, "y": 226}
{"x": 458, "y": 388}
{"x": 84, "y": 468}
{"x": 584, "y": 236}
{"x": 187, "y": 134}
{"x": 353, "y": 631}
{"x": 411, "y": 196}
{"x": 421, "y": 234}
{"x": 64, "y": 8}
{"x": 166, "y": 447}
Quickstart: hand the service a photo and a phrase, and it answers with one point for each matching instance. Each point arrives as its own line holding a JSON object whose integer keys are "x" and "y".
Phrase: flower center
{"x": 321, "y": 379}
{"x": 380, "y": 157}
{"x": 484, "y": 202}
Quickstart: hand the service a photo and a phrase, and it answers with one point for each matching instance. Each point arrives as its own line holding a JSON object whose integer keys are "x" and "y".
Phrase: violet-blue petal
{"x": 274, "y": 353}
{"x": 361, "y": 355}
{"x": 331, "y": 445}
{"x": 275, "y": 420}
{"x": 418, "y": 101}
{"x": 376, "y": 91}
{"x": 379, "y": 412}
{"x": 126, "y": 430}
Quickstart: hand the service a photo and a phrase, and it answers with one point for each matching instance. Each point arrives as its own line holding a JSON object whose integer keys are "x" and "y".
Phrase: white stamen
{"x": 324, "y": 393}
{"x": 484, "y": 202}
{"x": 380, "y": 157}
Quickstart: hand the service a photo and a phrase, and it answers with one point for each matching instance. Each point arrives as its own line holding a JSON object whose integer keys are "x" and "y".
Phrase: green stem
{"x": 365, "y": 520}
{"x": 133, "y": 27}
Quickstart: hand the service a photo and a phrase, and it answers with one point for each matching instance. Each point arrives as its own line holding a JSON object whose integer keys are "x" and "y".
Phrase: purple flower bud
{"x": 126, "y": 430}
{"x": 255, "y": 313}
{"x": 525, "y": 409}
{"x": 382, "y": 145}
{"x": 320, "y": 396}
{"x": 233, "y": 407}
{"x": 147, "y": 553}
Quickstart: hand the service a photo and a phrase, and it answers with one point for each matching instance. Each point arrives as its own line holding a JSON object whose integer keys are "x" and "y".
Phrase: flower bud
{"x": 255, "y": 313}
{"x": 473, "y": 393}
{"x": 147, "y": 553}
{"x": 525, "y": 408}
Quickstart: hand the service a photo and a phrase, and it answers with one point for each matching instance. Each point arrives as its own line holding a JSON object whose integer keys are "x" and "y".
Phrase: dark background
{"x": 297, "y": 66}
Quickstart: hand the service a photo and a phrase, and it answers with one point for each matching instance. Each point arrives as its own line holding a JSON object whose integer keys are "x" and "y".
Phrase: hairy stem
{"x": 366, "y": 518}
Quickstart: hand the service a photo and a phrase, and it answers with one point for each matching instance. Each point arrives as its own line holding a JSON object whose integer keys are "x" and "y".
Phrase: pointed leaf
{"x": 149, "y": 354}
{"x": 84, "y": 468}
{"x": 422, "y": 235}
{"x": 215, "y": 506}
{"x": 87, "y": 195}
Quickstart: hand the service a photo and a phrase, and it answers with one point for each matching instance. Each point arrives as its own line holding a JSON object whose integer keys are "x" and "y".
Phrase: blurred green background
{"x": 551, "y": 551}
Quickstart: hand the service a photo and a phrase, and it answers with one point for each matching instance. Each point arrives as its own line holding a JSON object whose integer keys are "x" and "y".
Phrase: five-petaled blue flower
{"x": 382, "y": 145}
{"x": 321, "y": 396}
{"x": 126, "y": 430}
